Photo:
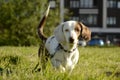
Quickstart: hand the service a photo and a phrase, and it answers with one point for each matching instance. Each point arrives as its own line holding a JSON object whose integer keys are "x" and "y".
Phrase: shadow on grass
{"x": 109, "y": 73}
{"x": 7, "y": 62}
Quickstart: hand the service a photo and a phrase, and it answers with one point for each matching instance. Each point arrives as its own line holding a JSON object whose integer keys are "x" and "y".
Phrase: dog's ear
{"x": 85, "y": 33}
{"x": 59, "y": 33}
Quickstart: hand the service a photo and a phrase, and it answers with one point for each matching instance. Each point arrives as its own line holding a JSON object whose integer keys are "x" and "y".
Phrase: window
{"x": 89, "y": 19}
{"x": 74, "y": 4}
{"x": 118, "y": 4}
{"x": 111, "y": 20}
{"x": 88, "y": 3}
{"x": 112, "y": 4}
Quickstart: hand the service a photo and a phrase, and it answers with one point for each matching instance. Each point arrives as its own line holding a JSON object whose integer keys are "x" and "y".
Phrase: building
{"x": 101, "y": 16}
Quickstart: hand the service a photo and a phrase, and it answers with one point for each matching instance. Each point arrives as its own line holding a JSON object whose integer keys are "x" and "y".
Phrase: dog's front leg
{"x": 58, "y": 64}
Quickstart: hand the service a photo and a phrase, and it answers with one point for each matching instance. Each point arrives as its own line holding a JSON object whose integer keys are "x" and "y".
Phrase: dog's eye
{"x": 77, "y": 30}
{"x": 66, "y": 30}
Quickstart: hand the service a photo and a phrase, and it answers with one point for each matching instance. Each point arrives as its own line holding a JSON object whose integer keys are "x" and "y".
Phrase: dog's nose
{"x": 71, "y": 40}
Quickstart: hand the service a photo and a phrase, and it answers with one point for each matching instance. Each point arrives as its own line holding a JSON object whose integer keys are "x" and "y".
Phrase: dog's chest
{"x": 66, "y": 59}
{"x": 69, "y": 60}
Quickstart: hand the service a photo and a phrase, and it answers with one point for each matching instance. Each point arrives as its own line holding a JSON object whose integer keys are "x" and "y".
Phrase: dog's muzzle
{"x": 71, "y": 40}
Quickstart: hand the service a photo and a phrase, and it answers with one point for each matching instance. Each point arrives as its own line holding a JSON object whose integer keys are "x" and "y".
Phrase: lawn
{"x": 95, "y": 63}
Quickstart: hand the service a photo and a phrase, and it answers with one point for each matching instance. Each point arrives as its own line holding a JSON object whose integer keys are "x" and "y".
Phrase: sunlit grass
{"x": 95, "y": 63}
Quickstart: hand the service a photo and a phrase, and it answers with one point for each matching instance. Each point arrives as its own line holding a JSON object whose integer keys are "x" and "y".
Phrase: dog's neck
{"x": 69, "y": 47}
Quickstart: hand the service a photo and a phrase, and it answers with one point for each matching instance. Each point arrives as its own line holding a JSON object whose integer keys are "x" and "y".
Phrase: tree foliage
{"x": 19, "y": 20}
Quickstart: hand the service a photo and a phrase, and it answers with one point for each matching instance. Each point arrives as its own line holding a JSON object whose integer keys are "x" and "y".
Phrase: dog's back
{"x": 51, "y": 44}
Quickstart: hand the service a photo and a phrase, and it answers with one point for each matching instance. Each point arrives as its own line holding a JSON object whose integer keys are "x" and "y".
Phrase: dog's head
{"x": 71, "y": 31}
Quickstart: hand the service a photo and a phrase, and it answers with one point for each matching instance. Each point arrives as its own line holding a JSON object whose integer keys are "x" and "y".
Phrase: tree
{"x": 19, "y": 20}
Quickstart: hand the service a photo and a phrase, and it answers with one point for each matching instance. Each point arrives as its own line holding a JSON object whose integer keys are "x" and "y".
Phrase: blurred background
{"x": 19, "y": 20}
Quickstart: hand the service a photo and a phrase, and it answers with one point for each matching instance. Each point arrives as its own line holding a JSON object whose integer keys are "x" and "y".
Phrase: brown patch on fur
{"x": 77, "y": 29}
{"x": 40, "y": 29}
{"x": 43, "y": 56}
{"x": 86, "y": 33}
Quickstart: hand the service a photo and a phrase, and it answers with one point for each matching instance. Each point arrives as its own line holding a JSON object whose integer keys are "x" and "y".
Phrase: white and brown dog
{"x": 62, "y": 46}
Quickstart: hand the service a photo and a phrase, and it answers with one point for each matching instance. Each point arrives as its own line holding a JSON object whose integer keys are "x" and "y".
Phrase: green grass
{"x": 95, "y": 63}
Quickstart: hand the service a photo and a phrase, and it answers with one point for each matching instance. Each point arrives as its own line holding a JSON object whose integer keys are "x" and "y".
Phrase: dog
{"x": 62, "y": 46}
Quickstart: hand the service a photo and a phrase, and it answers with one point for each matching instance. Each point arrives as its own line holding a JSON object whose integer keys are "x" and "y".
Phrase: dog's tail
{"x": 41, "y": 25}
